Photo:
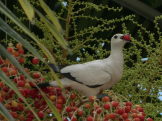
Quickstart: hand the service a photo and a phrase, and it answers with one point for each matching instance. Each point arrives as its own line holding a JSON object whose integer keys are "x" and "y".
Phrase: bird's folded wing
{"x": 90, "y": 74}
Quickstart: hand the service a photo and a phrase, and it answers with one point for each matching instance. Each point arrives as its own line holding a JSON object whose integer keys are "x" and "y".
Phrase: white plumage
{"x": 92, "y": 77}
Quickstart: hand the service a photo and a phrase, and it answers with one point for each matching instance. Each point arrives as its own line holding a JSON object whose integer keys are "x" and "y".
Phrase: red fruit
{"x": 89, "y": 118}
{"x": 120, "y": 111}
{"x": 21, "y": 60}
{"x": 10, "y": 49}
{"x": 112, "y": 116}
{"x": 98, "y": 110}
{"x": 107, "y": 106}
{"x": 135, "y": 115}
{"x": 140, "y": 109}
{"x": 15, "y": 53}
{"x": 106, "y": 99}
{"x": 92, "y": 98}
{"x": 128, "y": 104}
{"x": 4, "y": 69}
{"x": 87, "y": 105}
{"x": 19, "y": 46}
{"x": 60, "y": 101}
{"x": 21, "y": 51}
{"x": 127, "y": 120}
{"x": 21, "y": 83}
{"x": 73, "y": 119}
{"x": 68, "y": 109}
{"x": 127, "y": 109}
{"x": 134, "y": 111}
{"x": 59, "y": 106}
{"x": 114, "y": 104}
{"x": 1, "y": 84}
{"x": 136, "y": 119}
{"x": 141, "y": 117}
{"x": 72, "y": 96}
{"x": 149, "y": 119}
{"x": 1, "y": 61}
{"x": 36, "y": 75}
{"x": 14, "y": 114}
{"x": 13, "y": 71}
{"x": 125, "y": 115}
{"x": 1, "y": 99}
{"x": 35, "y": 60}
{"x": 79, "y": 112}
{"x": 40, "y": 114}
{"x": 22, "y": 77}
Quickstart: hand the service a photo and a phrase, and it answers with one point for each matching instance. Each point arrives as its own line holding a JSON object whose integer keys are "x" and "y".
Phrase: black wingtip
{"x": 43, "y": 85}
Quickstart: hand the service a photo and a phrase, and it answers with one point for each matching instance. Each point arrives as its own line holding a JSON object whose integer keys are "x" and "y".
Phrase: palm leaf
{"x": 5, "y": 113}
{"x": 29, "y": 11}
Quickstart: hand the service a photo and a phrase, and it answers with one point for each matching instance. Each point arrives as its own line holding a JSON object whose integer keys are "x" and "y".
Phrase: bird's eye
{"x": 115, "y": 36}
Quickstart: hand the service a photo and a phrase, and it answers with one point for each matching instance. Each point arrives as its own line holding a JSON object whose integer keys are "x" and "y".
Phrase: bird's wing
{"x": 92, "y": 74}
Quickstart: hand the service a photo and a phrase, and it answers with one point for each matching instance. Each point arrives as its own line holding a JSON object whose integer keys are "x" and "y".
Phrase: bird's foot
{"x": 100, "y": 96}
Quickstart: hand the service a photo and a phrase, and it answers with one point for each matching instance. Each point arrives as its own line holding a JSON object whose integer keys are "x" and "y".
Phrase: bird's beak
{"x": 126, "y": 37}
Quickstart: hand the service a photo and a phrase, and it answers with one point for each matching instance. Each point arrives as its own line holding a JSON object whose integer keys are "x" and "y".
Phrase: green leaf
{"x": 52, "y": 16}
{"x": 11, "y": 16}
{"x": 53, "y": 30}
{"x": 6, "y": 28}
{"x": 29, "y": 11}
{"x": 5, "y": 113}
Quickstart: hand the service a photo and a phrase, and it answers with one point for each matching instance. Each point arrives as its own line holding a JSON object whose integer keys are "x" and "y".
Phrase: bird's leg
{"x": 101, "y": 95}
{"x": 82, "y": 102}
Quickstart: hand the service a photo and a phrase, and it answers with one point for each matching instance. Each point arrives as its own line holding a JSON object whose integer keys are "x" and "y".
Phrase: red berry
{"x": 35, "y": 60}
{"x": 14, "y": 114}
{"x": 1, "y": 61}
{"x": 114, "y": 104}
{"x": 89, "y": 118}
{"x": 36, "y": 75}
{"x": 87, "y": 105}
{"x": 92, "y": 98}
{"x": 21, "y": 60}
{"x": 72, "y": 96}
{"x": 1, "y": 84}
{"x": 107, "y": 106}
{"x": 120, "y": 111}
{"x": 19, "y": 46}
{"x": 21, "y": 83}
{"x": 125, "y": 115}
{"x": 10, "y": 49}
{"x": 128, "y": 104}
{"x": 73, "y": 119}
{"x": 59, "y": 106}
{"x": 40, "y": 114}
{"x": 106, "y": 99}
{"x": 21, "y": 51}
{"x": 79, "y": 112}
{"x": 127, "y": 109}
{"x": 149, "y": 119}
{"x": 136, "y": 119}
{"x": 4, "y": 69}
{"x": 68, "y": 109}
{"x": 140, "y": 109}
{"x": 112, "y": 116}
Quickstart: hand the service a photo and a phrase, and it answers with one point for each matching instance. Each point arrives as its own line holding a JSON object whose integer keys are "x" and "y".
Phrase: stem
{"x": 68, "y": 18}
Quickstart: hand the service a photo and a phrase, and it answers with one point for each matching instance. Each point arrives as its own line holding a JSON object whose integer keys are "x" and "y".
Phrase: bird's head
{"x": 119, "y": 40}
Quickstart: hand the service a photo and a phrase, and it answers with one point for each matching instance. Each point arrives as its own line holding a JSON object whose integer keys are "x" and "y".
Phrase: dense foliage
{"x": 88, "y": 28}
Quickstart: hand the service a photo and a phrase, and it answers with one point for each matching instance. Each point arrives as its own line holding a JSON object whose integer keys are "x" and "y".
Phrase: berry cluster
{"x": 70, "y": 104}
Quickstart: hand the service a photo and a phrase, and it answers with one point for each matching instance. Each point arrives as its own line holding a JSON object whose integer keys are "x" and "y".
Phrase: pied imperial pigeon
{"x": 92, "y": 77}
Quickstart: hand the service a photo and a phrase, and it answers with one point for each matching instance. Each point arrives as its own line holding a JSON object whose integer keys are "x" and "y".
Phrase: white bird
{"x": 92, "y": 77}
